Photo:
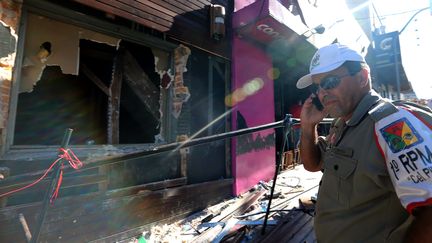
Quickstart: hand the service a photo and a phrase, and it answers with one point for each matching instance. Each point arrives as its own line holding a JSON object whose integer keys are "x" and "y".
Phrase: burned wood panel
{"x": 86, "y": 219}
{"x": 114, "y": 100}
{"x": 141, "y": 84}
{"x": 94, "y": 78}
{"x": 146, "y": 21}
{"x": 155, "y": 14}
{"x": 184, "y": 20}
{"x": 86, "y": 180}
{"x": 66, "y": 183}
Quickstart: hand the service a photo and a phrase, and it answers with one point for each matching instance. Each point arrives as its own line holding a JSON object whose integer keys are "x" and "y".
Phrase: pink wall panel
{"x": 239, "y": 4}
{"x": 253, "y": 155}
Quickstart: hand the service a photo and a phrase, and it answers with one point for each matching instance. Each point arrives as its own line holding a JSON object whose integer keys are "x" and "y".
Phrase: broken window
{"x": 106, "y": 89}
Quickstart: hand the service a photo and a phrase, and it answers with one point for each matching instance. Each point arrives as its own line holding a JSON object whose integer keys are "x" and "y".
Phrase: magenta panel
{"x": 264, "y": 21}
{"x": 253, "y": 155}
{"x": 239, "y": 4}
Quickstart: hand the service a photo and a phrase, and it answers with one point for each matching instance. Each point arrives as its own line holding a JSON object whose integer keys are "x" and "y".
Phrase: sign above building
{"x": 267, "y": 20}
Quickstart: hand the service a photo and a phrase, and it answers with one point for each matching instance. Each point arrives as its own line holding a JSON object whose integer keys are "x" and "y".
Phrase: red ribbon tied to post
{"x": 65, "y": 154}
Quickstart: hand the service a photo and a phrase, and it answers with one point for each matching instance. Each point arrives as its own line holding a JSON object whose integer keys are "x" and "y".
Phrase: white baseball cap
{"x": 328, "y": 58}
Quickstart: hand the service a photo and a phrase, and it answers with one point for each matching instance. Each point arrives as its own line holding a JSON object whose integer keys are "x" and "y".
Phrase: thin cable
{"x": 412, "y": 17}
{"x": 378, "y": 16}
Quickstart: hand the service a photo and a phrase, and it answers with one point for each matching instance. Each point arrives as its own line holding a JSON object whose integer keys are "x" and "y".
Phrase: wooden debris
{"x": 239, "y": 222}
{"x": 165, "y": 233}
{"x": 236, "y": 235}
{"x": 239, "y": 207}
{"x": 26, "y": 229}
{"x": 85, "y": 218}
{"x": 287, "y": 222}
{"x": 294, "y": 227}
{"x": 229, "y": 224}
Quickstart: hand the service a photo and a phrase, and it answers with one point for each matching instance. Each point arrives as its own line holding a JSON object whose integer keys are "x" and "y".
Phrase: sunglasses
{"x": 327, "y": 83}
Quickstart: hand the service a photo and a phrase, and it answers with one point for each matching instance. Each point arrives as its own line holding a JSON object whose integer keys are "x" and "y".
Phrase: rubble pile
{"x": 241, "y": 218}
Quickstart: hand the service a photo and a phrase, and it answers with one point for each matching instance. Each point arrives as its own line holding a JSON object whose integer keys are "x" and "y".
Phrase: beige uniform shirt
{"x": 357, "y": 201}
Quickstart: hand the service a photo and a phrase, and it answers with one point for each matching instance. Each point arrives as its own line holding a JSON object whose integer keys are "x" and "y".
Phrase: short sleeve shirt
{"x": 357, "y": 201}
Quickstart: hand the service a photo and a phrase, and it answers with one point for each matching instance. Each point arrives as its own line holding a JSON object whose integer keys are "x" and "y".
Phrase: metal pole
{"x": 287, "y": 127}
{"x": 158, "y": 150}
{"x": 396, "y": 54}
{"x": 178, "y": 145}
{"x": 396, "y": 60}
{"x": 50, "y": 191}
{"x": 166, "y": 148}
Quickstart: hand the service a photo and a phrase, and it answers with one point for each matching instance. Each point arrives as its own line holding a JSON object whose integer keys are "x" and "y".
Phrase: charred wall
{"x": 119, "y": 95}
{"x": 187, "y": 20}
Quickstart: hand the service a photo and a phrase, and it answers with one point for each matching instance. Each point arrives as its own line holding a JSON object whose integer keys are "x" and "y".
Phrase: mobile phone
{"x": 317, "y": 103}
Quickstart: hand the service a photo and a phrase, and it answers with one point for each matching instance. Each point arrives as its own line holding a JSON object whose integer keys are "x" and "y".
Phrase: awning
{"x": 271, "y": 26}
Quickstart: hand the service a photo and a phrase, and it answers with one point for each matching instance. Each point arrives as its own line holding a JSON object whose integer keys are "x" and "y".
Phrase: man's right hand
{"x": 310, "y": 115}
{"x": 309, "y": 118}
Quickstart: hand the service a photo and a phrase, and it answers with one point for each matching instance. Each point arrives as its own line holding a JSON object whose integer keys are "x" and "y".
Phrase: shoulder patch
{"x": 400, "y": 135}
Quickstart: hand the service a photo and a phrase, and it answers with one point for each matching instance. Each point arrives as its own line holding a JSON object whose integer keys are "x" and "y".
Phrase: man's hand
{"x": 421, "y": 228}
{"x": 310, "y": 115}
{"x": 309, "y": 118}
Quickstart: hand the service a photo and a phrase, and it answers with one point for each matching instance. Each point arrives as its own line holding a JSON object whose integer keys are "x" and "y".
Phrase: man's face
{"x": 338, "y": 91}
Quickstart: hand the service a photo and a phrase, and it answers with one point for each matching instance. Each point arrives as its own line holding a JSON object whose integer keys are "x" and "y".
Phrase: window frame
{"x": 62, "y": 14}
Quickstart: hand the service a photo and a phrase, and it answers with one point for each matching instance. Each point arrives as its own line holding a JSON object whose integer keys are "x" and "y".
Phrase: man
{"x": 376, "y": 160}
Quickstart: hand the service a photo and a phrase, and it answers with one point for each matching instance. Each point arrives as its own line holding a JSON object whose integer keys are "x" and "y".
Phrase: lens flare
{"x": 273, "y": 73}
{"x": 240, "y": 94}
{"x": 228, "y": 100}
{"x": 291, "y": 62}
{"x": 253, "y": 86}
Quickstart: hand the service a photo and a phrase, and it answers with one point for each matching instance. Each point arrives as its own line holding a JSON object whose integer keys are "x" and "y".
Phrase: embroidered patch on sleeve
{"x": 400, "y": 135}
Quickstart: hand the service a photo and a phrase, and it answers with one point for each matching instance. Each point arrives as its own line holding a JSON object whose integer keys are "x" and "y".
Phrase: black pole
{"x": 287, "y": 122}
{"x": 396, "y": 53}
{"x": 163, "y": 148}
{"x": 185, "y": 144}
{"x": 157, "y": 150}
{"x": 50, "y": 191}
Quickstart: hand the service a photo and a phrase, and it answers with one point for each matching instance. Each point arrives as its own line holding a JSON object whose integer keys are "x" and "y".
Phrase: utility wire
{"x": 377, "y": 14}
{"x": 379, "y": 17}
{"x": 418, "y": 11}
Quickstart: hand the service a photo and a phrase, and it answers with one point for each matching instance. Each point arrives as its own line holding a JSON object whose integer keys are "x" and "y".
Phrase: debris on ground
{"x": 241, "y": 219}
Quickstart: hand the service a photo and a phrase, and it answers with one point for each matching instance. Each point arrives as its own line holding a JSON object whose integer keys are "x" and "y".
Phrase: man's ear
{"x": 364, "y": 77}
